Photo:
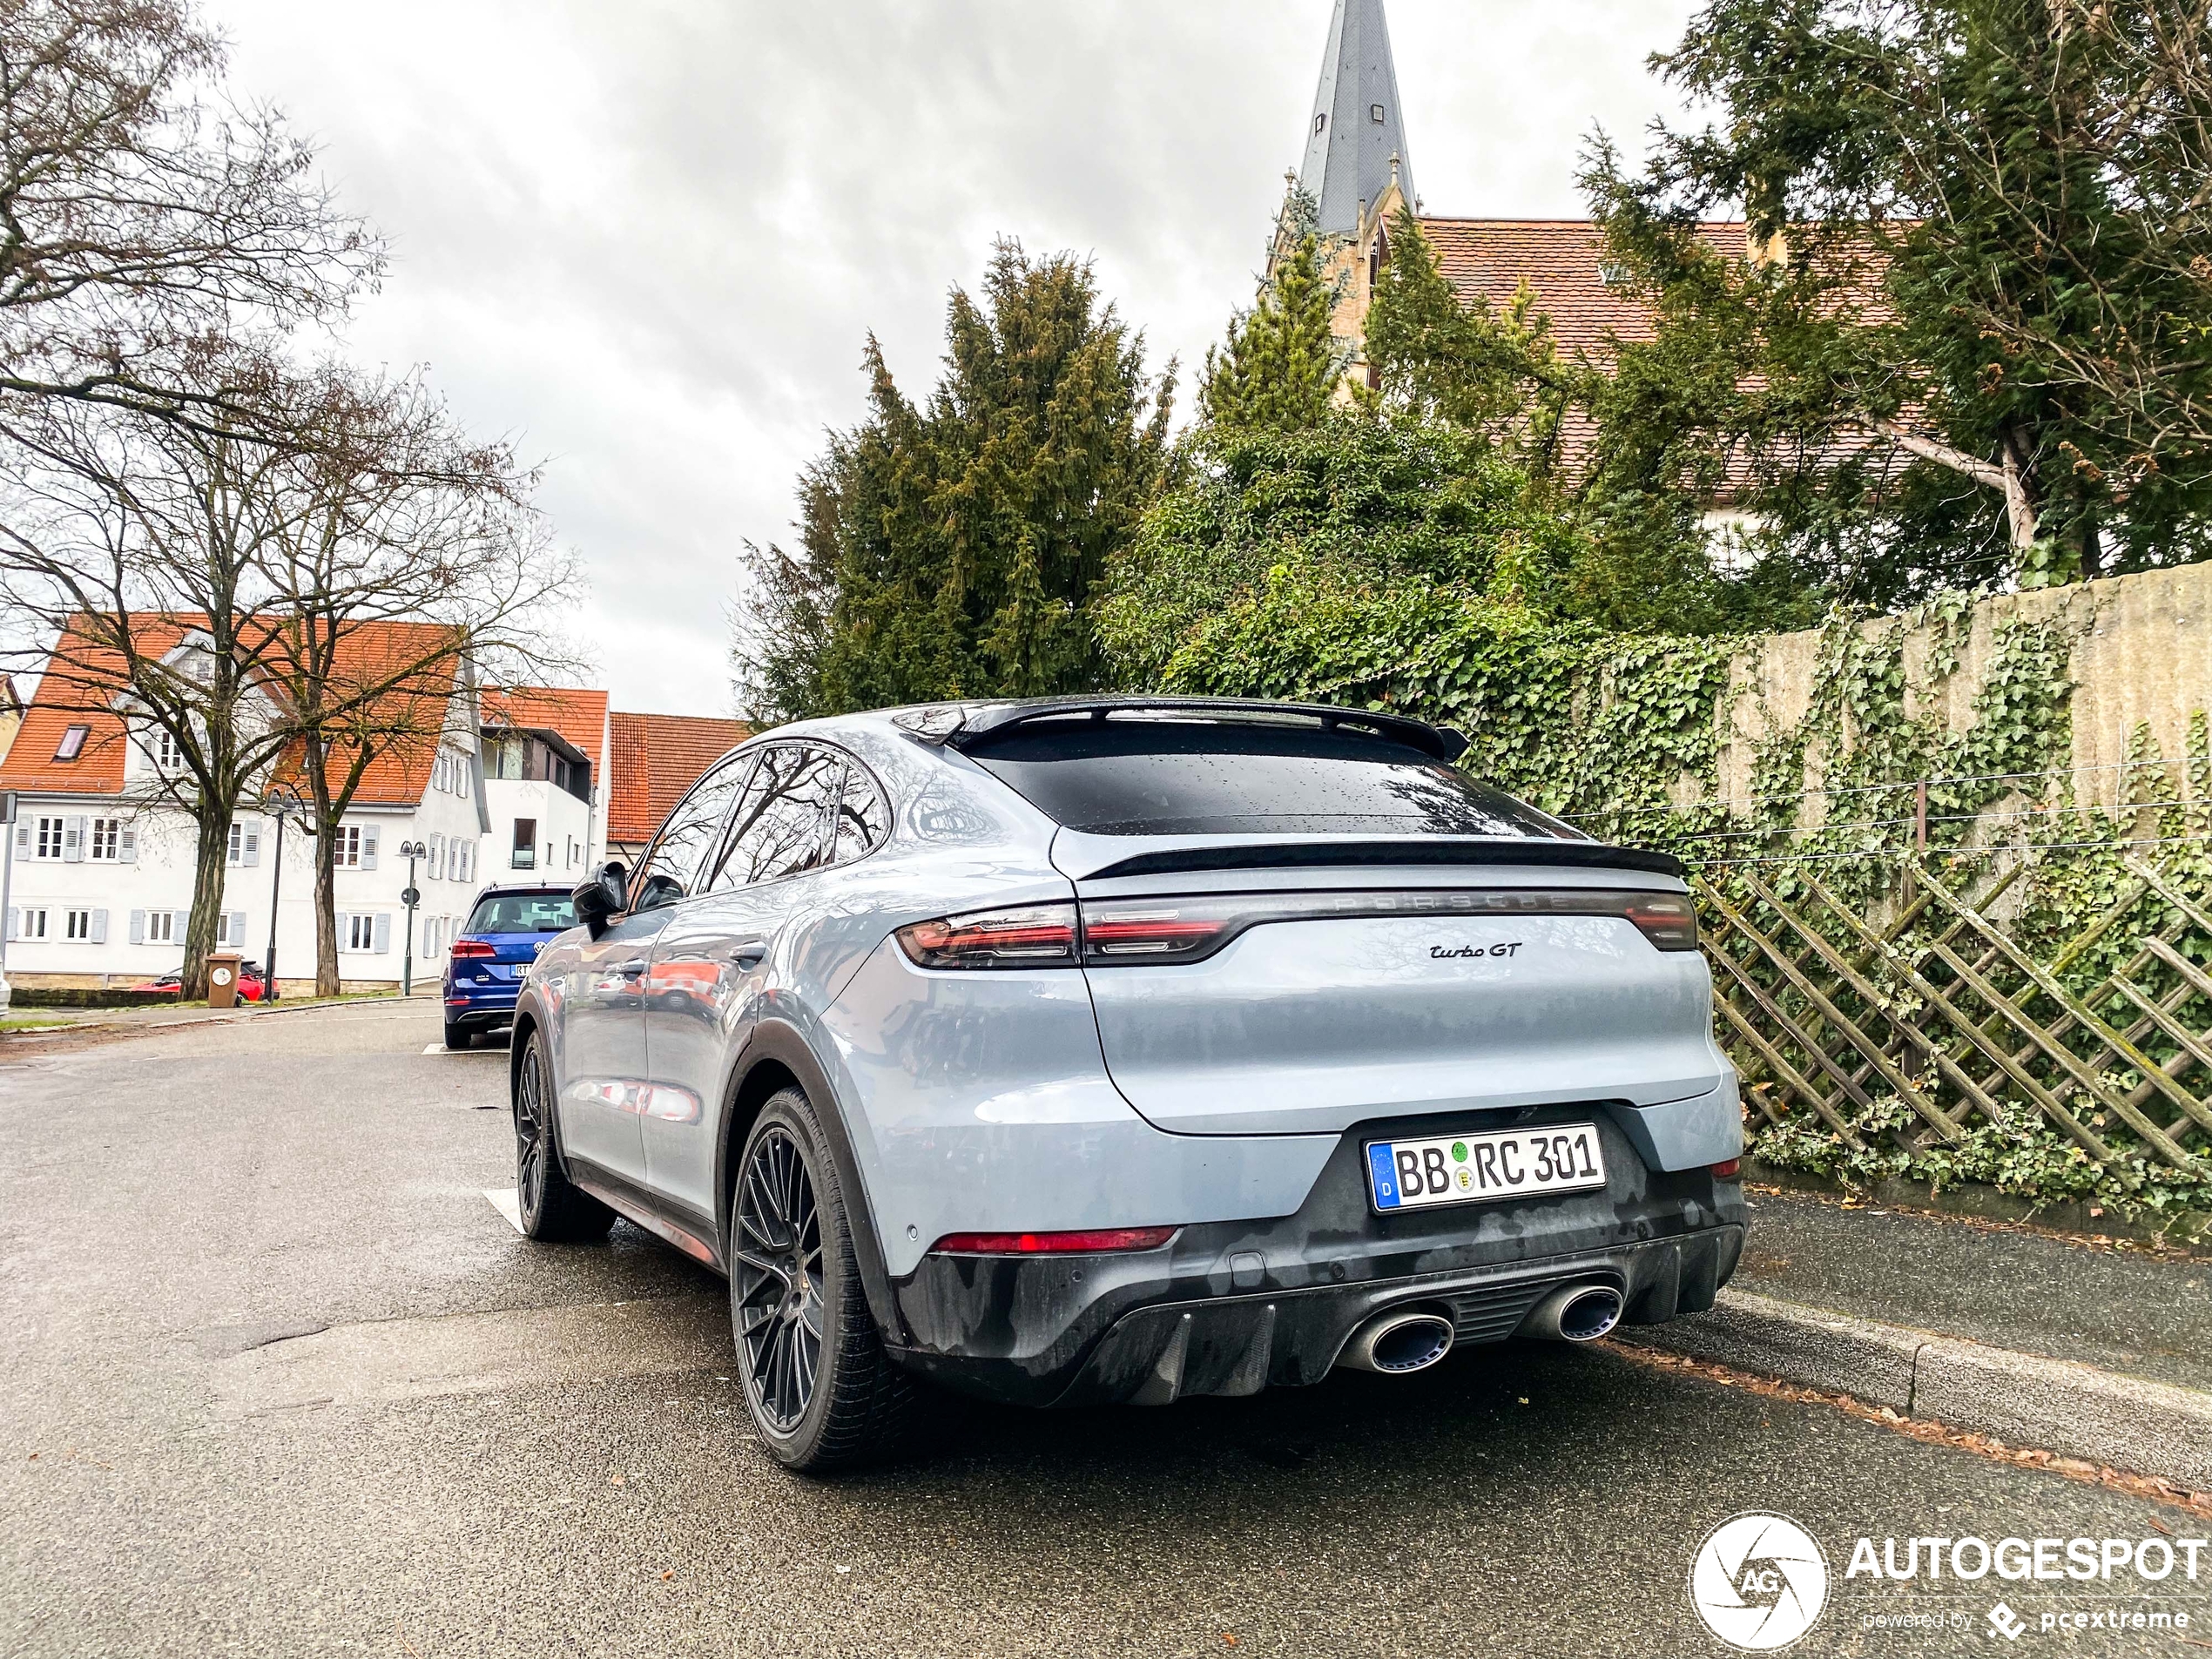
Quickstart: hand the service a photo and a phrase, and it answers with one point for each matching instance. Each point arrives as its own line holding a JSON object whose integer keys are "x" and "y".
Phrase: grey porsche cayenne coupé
{"x": 1119, "y": 1049}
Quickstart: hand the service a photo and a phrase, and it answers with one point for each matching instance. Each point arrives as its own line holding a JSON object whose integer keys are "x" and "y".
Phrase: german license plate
{"x": 1485, "y": 1167}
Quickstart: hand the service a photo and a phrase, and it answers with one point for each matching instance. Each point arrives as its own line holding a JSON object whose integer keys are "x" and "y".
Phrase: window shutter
{"x": 100, "y": 927}
{"x": 23, "y": 837}
{"x": 72, "y": 840}
{"x": 342, "y": 924}
{"x": 253, "y": 852}
{"x": 126, "y": 844}
{"x": 383, "y": 933}
{"x": 237, "y": 930}
{"x": 138, "y": 927}
{"x": 15, "y": 923}
{"x": 369, "y": 847}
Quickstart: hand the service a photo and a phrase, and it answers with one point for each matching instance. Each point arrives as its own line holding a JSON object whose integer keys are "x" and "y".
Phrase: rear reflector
{"x": 466, "y": 950}
{"x": 1728, "y": 1171}
{"x": 1091, "y": 1242}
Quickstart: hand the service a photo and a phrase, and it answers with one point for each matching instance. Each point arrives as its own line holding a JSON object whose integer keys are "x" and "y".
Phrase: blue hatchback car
{"x": 488, "y": 961}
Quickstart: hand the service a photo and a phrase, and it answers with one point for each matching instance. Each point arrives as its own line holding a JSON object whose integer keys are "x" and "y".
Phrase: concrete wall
{"x": 2143, "y": 656}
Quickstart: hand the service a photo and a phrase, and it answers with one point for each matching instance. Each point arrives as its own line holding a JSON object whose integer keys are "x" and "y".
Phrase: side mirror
{"x": 605, "y": 896}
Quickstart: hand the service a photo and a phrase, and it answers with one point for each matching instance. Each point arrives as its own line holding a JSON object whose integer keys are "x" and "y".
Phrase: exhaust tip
{"x": 1576, "y": 1313}
{"x": 1398, "y": 1344}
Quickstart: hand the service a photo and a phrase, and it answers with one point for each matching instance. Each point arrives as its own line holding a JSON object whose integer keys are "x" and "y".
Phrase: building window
{"x": 50, "y": 838}
{"x": 33, "y": 925}
{"x": 525, "y": 855}
{"x": 1320, "y": 122}
{"x": 360, "y": 933}
{"x": 167, "y": 757}
{"x": 77, "y": 926}
{"x": 161, "y": 927}
{"x": 107, "y": 846}
{"x": 72, "y": 743}
{"x": 1375, "y": 114}
{"x": 348, "y": 854}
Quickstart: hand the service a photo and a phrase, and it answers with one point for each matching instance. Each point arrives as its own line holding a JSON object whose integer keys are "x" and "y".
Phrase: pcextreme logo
{"x": 1759, "y": 1581}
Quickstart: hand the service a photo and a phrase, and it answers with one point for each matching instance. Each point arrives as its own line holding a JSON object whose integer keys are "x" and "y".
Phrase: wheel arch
{"x": 774, "y": 1058}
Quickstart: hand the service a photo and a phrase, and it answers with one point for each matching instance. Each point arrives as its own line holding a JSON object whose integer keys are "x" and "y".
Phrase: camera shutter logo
{"x": 1759, "y": 1581}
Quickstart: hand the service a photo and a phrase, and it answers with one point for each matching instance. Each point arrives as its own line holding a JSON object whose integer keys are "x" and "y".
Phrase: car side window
{"x": 863, "y": 821}
{"x": 781, "y": 826}
{"x": 671, "y": 868}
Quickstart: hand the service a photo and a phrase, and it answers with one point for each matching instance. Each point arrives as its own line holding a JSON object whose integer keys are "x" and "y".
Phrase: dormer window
{"x": 1320, "y": 122}
{"x": 72, "y": 743}
{"x": 1375, "y": 114}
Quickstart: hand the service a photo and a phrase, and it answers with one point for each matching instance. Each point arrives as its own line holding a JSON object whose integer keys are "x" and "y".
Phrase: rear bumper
{"x": 466, "y": 1006}
{"x": 1231, "y": 1308}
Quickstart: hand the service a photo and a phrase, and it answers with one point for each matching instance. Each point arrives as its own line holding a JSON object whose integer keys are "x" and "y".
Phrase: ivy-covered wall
{"x": 2062, "y": 732}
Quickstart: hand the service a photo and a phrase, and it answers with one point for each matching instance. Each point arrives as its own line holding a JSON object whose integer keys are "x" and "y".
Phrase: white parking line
{"x": 504, "y": 1200}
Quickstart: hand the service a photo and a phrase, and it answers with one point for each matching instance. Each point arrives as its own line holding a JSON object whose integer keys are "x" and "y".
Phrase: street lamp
{"x": 410, "y": 851}
{"x": 287, "y": 804}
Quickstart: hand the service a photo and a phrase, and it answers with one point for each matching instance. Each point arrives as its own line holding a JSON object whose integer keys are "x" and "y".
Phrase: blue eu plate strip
{"x": 1384, "y": 1175}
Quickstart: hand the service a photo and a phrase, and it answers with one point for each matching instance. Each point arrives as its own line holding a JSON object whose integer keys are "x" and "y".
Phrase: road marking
{"x": 504, "y": 1201}
{"x": 388, "y": 1360}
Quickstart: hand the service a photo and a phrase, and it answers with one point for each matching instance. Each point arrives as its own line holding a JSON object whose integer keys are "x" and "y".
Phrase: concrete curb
{"x": 2055, "y": 1404}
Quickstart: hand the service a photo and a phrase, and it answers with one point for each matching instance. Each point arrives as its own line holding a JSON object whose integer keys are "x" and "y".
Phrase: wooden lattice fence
{"x": 1935, "y": 1025}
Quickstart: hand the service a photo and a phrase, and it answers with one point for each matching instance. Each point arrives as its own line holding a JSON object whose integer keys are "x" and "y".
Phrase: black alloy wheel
{"x": 777, "y": 1268}
{"x": 550, "y": 1206}
{"x": 819, "y": 1385}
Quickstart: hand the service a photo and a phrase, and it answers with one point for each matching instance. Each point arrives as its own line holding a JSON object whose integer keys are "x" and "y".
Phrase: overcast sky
{"x": 647, "y": 237}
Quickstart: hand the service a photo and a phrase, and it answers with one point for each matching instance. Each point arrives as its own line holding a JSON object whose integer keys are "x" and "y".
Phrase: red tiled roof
{"x": 1562, "y": 259}
{"x": 84, "y": 677}
{"x": 655, "y": 758}
{"x": 576, "y": 714}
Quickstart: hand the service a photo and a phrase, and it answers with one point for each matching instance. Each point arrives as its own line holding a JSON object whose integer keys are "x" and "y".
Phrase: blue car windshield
{"x": 522, "y": 913}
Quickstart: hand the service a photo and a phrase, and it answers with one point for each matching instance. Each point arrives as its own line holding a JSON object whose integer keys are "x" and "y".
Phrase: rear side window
{"x": 862, "y": 823}
{"x": 521, "y": 913}
{"x": 782, "y": 826}
{"x": 1152, "y": 776}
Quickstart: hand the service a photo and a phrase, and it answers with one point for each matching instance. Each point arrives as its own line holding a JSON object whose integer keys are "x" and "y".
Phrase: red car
{"x": 251, "y": 986}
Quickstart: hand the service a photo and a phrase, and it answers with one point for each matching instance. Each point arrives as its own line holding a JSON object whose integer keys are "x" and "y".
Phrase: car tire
{"x": 793, "y": 1287}
{"x": 459, "y": 1036}
{"x": 552, "y": 1208}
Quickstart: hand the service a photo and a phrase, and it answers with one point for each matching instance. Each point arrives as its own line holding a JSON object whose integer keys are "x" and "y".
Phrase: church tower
{"x": 1356, "y": 137}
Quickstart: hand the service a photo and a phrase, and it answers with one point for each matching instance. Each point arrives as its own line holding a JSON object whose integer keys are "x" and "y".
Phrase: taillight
{"x": 1667, "y": 920}
{"x": 1732, "y": 1171}
{"x": 1033, "y": 936}
{"x": 1152, "y": 931}
{"x": 1095, "y": 1242}
{"x": 469, "y": 950}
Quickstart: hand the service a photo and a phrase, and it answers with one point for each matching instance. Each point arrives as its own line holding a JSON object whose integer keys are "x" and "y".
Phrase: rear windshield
{"x": 1180, "y": 777}
{"x": 522, "y": 913}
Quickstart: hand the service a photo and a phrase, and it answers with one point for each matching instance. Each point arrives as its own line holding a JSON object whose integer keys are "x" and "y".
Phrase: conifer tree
{"x": 952, "y": 549}
{"x": 1280, "y": 369}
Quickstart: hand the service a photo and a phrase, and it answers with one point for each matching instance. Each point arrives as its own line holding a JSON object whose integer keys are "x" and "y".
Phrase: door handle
{"x": 631, "y": 970}
{"x": 752, "y": 954}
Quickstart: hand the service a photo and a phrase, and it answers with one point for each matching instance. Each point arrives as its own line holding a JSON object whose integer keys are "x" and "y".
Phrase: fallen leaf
{"x": 664, "y": 1577}
{"x": 616, "y": 1481}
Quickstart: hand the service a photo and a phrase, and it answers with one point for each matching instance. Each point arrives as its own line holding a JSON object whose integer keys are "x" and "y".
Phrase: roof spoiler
{"x": 963, "y": 726}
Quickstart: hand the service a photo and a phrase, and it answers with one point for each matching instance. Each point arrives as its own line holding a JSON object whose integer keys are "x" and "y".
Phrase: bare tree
{"x": 257, "y": 610}
{"x": 413, "y": 563}
{"x": 145, "y": 220}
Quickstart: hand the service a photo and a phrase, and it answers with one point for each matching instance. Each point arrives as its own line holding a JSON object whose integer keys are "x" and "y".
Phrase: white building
{"x": 545, "y": 789}
{"x": 99, "y": 865}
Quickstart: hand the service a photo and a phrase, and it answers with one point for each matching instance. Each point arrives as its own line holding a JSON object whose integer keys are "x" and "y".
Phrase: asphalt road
{"x": 275, "y": 1378}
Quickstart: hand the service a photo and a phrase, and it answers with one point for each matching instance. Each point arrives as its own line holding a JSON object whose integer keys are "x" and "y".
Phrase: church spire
{"x": 1355, "y": 138}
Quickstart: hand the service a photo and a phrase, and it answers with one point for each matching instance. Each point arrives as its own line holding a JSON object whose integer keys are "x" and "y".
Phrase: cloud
{"x": 649, "y": 238}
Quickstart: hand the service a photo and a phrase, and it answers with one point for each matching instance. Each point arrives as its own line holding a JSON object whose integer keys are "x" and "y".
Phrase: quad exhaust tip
{"x": 1574, "y": 1313}
{"x": 1398, "y": 1344}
